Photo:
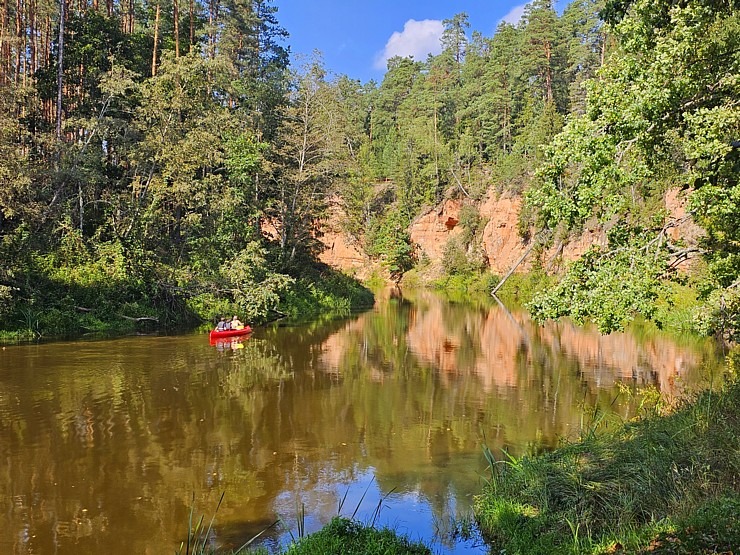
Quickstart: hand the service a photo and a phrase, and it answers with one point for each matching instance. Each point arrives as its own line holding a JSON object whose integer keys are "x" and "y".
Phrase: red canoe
{"x": 229, "y": 333}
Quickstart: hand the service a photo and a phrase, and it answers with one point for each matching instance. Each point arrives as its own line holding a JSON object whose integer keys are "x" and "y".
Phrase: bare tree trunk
{"x": 60, "y": 66}
{"x": 548, "y": 70}
{"x": 156, "y": 38}
{"x": 535, "y": 242}
{"x": 192, "y": 24}
{"x": 176, "y": 18}
{"x": 4, "y": 65}
{"x": 19, "y": 37}
{"x": 211, "y": 18}
{"x": 81, "y": 204}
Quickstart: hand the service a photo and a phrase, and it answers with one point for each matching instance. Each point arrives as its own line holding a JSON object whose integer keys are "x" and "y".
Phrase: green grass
{"x": 343, "y": 536}
{"x": 627, "y": 487}
{"x": 519, "y": 289}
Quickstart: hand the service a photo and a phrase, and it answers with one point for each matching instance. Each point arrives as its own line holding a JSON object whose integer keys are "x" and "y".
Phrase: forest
{"x": 169, "y": 161}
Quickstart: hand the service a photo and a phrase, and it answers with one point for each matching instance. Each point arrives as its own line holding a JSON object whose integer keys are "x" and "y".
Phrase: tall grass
{"x": 342, "y": 536}
{"x": 621, "y": 483}
{"x": 199, "y": 540}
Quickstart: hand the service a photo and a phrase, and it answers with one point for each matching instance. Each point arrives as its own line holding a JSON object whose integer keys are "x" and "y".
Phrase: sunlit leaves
{"x": 608, "y": 287}
{"x": 255, "y": 287}
{"x": 663, "y": 111}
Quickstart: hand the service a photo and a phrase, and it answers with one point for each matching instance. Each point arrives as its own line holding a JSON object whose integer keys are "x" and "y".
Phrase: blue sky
{"x": 356, "y": 37}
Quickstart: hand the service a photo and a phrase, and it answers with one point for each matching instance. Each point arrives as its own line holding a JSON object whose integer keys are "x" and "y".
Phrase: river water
{"x": 105, "y": 446}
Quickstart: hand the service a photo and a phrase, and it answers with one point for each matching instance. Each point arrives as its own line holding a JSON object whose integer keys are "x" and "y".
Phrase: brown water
{"x": 104, "y": 444}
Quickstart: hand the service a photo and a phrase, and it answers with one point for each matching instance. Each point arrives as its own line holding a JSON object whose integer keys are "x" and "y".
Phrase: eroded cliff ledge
{"x": 500, "y": 240}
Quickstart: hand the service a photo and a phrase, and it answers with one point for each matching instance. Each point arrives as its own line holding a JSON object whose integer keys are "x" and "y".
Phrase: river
{"x": 105, "y": 446}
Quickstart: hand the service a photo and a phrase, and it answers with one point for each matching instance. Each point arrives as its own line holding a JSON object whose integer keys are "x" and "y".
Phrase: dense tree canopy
{"x": 663, "y": 112}
{"x": 173, "y": 140}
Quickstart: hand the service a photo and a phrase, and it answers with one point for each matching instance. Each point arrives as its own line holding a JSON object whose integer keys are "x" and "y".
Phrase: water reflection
{"x": 105, "y": 443}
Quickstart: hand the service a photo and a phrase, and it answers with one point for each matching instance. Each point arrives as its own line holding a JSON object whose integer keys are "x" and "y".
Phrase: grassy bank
{"x": 102, "y": 297}
{"x": 346, "y": 537}
{"x": 667, "y": 483}
{"x": 342, "y": 536}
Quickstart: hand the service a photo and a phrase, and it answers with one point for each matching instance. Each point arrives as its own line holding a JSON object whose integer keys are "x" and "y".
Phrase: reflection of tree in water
{"x": 449, "y": 374}
{"x": 256, "y": 364}
{"x": 115, "y": 437}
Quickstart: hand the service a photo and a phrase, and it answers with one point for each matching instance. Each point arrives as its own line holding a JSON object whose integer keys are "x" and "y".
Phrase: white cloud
{"x": 514, "y": 15}
{"x": 417, "y": 39}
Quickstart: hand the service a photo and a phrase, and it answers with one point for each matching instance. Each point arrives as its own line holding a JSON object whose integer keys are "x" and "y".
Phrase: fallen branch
{"x": 140, "y": 318}
{"x": 535, "y": 242}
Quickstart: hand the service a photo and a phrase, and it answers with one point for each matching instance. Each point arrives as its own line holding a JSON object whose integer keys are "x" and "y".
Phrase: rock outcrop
{"x": 500, "y": 240}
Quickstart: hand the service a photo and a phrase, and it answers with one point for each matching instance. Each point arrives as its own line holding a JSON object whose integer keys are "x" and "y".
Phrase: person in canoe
{"x": 236, "y": 324}
{"x": 223, "y": 325}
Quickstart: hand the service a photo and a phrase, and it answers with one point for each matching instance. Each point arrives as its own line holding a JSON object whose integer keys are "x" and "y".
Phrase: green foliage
{"x": 326, "y": 293}
{"x": 188, "y": 160}
{"x": 389, "y": 240}
{"x": 459, "y": 259}
{"x": 663, "y": 112}
{"x": 609, "y": 288}
{"x": 720, "y": 315}
{"x": 256, "y": 288}
{"x": 521, "y": 288}
{"x": 470, "y": 286}
{"x": 712, "y": 527}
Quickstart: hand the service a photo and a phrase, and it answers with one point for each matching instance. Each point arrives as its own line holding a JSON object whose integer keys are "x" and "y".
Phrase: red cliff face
{"x": 341, "y": 250}
{"x": 500, "y": 238}
{"x": 432, "y": 230}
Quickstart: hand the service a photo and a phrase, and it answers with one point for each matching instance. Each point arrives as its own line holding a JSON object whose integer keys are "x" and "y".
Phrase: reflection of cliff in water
{"x": 112, "y": 439}
{"x": 506, "y": 350}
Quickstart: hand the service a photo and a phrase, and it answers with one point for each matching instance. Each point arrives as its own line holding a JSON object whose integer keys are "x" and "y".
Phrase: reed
{"x": 199, "y": 539}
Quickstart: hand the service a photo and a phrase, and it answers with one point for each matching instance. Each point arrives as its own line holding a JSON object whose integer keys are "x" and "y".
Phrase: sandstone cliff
{"x": 499, "y": 240}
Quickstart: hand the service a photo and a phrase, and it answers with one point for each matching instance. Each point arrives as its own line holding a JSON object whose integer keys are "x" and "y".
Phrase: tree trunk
{"x": 192, "y": 24}
{"x": 32, "y": 36}
{"x": 535, "y": 242}
{"x": 60, "y": 67}
{"x": 81, "y": 204}
{"x": 4, "y": 58}
{"x": 548, "y": 71}
{"x": 210, "y": 27}
{"x": 176, "y": 17}
{"x": 156, "y": 38}
{"x": 19, "y": 37}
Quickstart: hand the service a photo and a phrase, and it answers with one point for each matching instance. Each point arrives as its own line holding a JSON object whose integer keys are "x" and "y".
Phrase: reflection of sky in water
{"x": 399, "y": 398}
{"x": 408, "y": 513}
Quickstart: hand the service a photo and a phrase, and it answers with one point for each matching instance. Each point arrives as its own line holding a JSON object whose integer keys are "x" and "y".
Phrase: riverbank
{"x": 678, "y": 309}
{"x": 666, "y": 483}
{"x": 89, "y": 300}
